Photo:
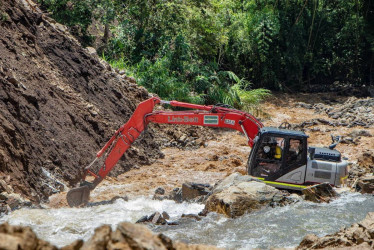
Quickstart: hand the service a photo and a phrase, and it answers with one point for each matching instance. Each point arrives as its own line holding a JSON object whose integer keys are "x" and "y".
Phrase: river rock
{"x": 358, "y": 236}
{"x": 160, "y": 191}
{"x": 191, "y": 191}
{"x": 237, "y": 194}
{"x": 17, "y": 237}
{"x": 155, "y": 218}
{"x": 320, "y": 193}
{"x": 365, "y": 185}
{"x": 165, "y": 215}
{"x": 175, "y": 195}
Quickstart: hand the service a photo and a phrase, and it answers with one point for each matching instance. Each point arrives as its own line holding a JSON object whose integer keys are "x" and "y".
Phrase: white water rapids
{"x": 270, "y": 227}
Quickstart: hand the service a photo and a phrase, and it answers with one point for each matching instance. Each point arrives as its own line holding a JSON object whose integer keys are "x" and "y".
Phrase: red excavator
{"x": 280, "y": 157}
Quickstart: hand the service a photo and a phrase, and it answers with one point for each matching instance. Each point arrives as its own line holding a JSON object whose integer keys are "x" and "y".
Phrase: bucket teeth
{"x": 78, "y": 196}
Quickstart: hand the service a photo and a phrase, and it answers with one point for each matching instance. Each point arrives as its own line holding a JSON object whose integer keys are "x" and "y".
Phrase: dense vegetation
{"x": 211, "y": 51}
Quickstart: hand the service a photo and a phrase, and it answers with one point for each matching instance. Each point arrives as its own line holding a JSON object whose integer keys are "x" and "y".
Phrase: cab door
{"x": 295, "y": 161}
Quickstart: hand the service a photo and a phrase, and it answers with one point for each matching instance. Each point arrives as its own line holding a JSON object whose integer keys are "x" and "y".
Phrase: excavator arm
{"x": 209, "y": 116}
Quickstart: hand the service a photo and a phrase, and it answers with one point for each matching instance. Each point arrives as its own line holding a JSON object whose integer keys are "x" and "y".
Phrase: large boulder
{"x": 237, "y": 195}
{"x": 358, "y": 236}
{"x": 232, "y": 180}
{"x": 16, "y": 237}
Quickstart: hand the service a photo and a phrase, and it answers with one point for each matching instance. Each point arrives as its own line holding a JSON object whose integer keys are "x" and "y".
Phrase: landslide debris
{"x": 126, "y": 236}
{"x": 58, "y": 104}
{"x": 352, "y": 113}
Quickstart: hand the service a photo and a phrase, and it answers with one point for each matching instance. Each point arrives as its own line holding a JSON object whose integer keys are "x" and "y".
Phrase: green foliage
{"x": 4, "y": 17}
{"x": 188, "y": 50}
{"x": 73, "y": 13}
{"x": 157, "y": 78}
{"x": 294, "y": 43}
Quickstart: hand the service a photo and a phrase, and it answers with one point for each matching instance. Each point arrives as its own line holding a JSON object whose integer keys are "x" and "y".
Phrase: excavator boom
{"x": 209, "y": 116}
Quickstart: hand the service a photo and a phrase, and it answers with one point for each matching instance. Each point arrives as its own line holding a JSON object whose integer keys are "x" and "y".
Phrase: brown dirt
{"x": 58, "y": 104}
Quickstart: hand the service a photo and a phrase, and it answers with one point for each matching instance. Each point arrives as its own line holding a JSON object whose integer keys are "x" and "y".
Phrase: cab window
{"x": 271, "y": 148}
{"x": 269, "y": 156}
{"x": 295, "y": 151}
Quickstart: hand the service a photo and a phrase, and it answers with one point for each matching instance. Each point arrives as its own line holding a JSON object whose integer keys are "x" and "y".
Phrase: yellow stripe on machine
{"x": 282, "y": 184}
{"x": 343, "y": 178}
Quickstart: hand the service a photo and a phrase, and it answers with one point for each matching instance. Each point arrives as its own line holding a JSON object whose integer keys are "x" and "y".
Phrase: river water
{"x": 270, "y": 227}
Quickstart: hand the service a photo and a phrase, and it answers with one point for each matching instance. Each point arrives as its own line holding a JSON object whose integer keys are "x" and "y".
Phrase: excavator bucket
{"x": 78, "y": 196}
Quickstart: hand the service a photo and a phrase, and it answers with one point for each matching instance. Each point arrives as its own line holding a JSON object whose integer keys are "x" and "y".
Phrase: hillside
{"x": 58, "y": 104}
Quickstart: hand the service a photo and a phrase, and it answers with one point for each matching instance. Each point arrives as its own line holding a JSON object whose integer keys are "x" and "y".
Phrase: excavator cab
{"x": 276, "y": 153}
{"x": 282, "y": 158}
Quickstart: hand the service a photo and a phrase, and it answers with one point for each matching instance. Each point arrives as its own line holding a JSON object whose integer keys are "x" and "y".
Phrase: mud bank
{"x": 58, "y": 104}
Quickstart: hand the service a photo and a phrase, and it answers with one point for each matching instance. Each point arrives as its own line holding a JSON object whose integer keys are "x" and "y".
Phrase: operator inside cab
{"x": 279, "y": 148}
{"x": 270, "y": 155}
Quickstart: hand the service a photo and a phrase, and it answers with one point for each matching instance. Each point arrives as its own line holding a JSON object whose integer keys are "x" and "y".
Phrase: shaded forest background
{"x": 233, "y": 51}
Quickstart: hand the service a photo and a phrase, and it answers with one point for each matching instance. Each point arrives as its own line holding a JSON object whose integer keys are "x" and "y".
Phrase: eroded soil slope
{"x": 58, "y": 104}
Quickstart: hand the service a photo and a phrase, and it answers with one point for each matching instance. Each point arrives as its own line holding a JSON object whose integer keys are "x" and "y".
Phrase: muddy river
{"x": 279, "y": 227}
